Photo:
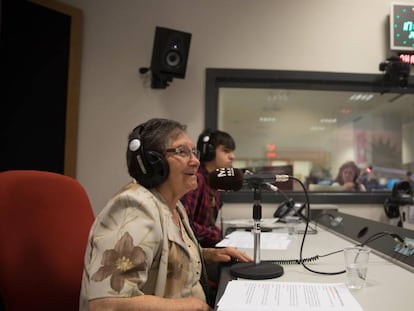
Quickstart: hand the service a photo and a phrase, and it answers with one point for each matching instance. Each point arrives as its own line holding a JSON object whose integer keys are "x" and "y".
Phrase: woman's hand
{"x": 349, "y": 186}
{"x": 224, "y": 255}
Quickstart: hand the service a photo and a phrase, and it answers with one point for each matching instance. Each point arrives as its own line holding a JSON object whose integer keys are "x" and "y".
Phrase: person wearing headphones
{"x": 142, "y": 253}
{"x": 203, "y": 203}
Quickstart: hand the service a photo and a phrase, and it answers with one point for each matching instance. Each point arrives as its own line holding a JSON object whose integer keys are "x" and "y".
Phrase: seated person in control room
{"x": 203, "y": 204}
{"x": 142, "y": 253}
{"x": 369, "y": 179}
{"x": 348, "y": 177}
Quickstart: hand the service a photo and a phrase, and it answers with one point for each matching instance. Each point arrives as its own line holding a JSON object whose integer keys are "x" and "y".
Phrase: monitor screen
{"x": 402, "y": 27}
{"x": 392, "y": 181}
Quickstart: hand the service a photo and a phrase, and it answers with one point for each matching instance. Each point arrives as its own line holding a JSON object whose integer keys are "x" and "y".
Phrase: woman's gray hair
{"x": 157, "y": 134}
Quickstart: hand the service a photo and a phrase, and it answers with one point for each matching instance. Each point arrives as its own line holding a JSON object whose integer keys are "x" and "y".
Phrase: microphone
{"x": 226, "y": 179}
{"x": 234, "y": 178}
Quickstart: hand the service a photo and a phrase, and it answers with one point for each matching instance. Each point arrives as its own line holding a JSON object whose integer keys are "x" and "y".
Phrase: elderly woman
{"x": 142, "y": 253}
{"x": 347, "y": 177}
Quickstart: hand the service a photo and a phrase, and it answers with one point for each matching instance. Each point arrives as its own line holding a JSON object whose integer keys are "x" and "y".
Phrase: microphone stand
{"x": 257, "y": 270}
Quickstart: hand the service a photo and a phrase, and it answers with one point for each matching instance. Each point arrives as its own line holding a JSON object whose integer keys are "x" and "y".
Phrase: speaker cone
{"x": 173, "y": 59}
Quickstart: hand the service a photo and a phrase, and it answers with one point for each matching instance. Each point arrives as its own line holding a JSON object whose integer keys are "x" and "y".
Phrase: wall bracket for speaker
{"x": 158, "y": 80}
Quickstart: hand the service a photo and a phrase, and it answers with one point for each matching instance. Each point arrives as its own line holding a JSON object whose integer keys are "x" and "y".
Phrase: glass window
{"x": 334, "y": 130}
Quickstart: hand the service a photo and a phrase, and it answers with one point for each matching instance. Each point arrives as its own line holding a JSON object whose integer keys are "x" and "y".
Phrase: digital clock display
{"x": 402, "y": 27}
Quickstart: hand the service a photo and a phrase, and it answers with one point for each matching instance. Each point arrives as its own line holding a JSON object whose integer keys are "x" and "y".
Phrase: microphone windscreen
{"x": 226, "y": 179}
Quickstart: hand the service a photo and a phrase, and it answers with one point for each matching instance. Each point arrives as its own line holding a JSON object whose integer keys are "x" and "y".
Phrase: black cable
{"x": 372, "y": 238}
{"x": 299, "y": 261}
{"x": 397, "y": 238}
{"x": 303, "y": 261}
{"x": 401, "y": 220}
{"x": 306, "y": 231}
{"x": 291, "y": 261}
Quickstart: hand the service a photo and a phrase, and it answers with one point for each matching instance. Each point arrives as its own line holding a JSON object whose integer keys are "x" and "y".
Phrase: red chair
{"x": 44, "y": 224}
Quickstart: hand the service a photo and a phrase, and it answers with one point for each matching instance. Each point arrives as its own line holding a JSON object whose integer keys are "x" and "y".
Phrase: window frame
{"x": 217, "y": 78}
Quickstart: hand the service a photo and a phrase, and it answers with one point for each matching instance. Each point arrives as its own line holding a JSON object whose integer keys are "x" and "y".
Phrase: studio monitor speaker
{"x": 170, "y": 53}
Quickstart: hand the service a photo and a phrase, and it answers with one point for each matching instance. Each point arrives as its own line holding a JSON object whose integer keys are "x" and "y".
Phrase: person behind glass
{"x": 348, "y": 177}
{"x": 141, "y": 252}
{"x": 203, "y": 204}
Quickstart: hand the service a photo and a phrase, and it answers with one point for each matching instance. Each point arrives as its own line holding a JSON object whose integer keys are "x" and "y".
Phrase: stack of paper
{"x": 242, "y": 295}
{"x": 244, "y": 239}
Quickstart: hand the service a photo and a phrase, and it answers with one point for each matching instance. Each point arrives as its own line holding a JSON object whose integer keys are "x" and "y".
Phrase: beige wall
{"x": 315, "y": 35}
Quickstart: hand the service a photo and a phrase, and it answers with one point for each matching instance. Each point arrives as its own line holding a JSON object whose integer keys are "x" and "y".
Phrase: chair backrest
{"x": 44, "y": 225}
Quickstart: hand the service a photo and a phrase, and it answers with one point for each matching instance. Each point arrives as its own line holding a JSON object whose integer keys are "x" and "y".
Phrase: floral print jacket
{"x": 134, "y": 248}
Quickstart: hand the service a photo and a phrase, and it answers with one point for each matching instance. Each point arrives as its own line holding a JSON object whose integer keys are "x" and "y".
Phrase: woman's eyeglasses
{"x": 185, "y": 152}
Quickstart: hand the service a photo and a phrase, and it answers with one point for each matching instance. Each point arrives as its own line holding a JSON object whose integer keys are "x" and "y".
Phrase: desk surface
{"x": 388, "y": 286}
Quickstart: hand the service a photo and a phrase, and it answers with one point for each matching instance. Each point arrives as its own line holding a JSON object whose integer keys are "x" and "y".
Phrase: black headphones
{"x": 401, "y": 194}
{"x": 284, "y": 208}
{"x": 149, "y": 168}
{"x": 205, "y": 146}
{"x": 392, "y": 210}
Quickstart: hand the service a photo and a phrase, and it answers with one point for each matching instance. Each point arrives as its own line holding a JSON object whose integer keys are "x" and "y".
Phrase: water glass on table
{"x": 356, "y": 261}
{"x": 292, "y": 222}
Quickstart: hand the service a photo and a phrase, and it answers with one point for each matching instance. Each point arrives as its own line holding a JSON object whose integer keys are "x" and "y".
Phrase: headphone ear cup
{"x": 149, "y": 168}
{"x": 209, "y": 154}
{"x": 157, "y": 169}
{"x": 391, "y": 210}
